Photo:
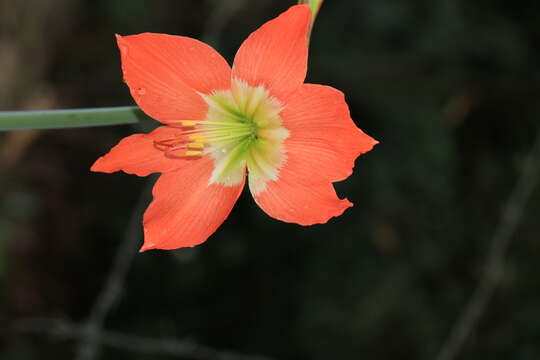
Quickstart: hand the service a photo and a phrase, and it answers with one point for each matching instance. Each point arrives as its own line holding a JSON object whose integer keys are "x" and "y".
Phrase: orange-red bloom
{"x": 294, "y": 139}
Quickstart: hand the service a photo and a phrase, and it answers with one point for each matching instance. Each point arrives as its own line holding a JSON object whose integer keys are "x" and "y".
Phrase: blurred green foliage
{"x": 449, "y": 88}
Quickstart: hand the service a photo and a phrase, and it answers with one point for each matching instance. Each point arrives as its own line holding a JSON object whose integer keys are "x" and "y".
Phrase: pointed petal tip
{"x": 345, "y": 204}
{"x": 94, "y": 168}
{"x": 275, "y": 55}
{"x": 97, "y": 166}
{"x": 119, "y": 39}
{"x": 101, "y": 166}
{"x": 122, "y": 44}
{"x": 374, "y": 143}
{"x": 369, "y": 143}
{"x": 147, "y": 246}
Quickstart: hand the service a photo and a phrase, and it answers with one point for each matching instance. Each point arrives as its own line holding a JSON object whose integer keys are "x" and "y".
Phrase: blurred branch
{"x": 88, "y": 346}
{"x": 69, "y": 118}
{"x": 511, "y": 214}
{"x": 62, "y": 329}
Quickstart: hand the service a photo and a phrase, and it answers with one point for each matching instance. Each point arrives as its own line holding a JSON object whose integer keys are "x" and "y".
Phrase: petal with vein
{"x": 288, "y": 200}
{"x": 275, "y": 55}
{"x": 186, "y": 210}
{"x": 322, "y": 135}
{"x": 136, "y": 154}
{"x": 164, "y": 73}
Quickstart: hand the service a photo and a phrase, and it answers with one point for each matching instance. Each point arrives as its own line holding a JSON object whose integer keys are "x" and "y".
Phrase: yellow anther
{"x": 193, "y": 153}
{"x": 197, "y": 138}
{"x": 188, "y": 122}
{"x": 195, "y": 145}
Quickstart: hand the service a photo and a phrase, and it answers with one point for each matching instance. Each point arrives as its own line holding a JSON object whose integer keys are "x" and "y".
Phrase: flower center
{"x": 242, "y": 128}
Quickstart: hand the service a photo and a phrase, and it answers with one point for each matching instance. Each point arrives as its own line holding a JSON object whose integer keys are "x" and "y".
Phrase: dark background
{"x": 450, "y": 89}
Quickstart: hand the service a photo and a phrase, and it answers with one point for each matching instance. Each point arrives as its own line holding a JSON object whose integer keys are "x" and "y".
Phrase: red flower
{"x": 294, "y": 139}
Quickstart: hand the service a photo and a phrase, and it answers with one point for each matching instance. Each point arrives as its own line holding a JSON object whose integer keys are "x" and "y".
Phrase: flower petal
{"x": 322, "y": 135}
{"x": 288, "y": 200}
{"x": 136, "y": 154}
{"x": 164, "y": 72}
{"x": 275, "y": 55}
{"x": 322, "y": 147}
{"x": 186, "y": 210}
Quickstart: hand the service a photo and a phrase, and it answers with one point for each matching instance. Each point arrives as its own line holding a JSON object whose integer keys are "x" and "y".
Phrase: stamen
{"x": 180, "y": 152}
{"x": 193, "y": 123}
{"x": 217, "y": 132}
{"x": 167, "y": 144}
{"x": 195, "y": 145}
{"x": 197, "y": 138}
{"x": 212, "y": 139}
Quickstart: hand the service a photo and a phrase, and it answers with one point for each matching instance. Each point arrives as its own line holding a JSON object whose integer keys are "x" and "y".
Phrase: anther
{"x": 188, "y": 123}
{"x": 195, "y": 145}
{"x": 197, "y": 138}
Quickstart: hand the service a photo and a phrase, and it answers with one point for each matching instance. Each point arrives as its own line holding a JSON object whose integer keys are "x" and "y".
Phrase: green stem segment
{"x": 69, "y": 118}
{"x": 315, "y": 5}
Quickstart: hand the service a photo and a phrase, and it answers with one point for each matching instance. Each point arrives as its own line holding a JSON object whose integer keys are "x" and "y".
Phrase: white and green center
{"x": 242, "y": 129}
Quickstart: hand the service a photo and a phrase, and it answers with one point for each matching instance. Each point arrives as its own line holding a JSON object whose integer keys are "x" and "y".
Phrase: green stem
{"x": 69, "y": 118}
{"x": 315, "y": 6}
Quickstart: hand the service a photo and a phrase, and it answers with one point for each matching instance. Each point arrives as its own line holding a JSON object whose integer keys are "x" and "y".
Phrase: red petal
{"x": 290, "y": 201}
{"x": 186, "y": 210}
{"x": 321, "y": 148}
{"x": 164, "y": 71}
{"x": 275, "y": 55}
{"x": 322, "y": 135}
{"x": 137, "y": 155}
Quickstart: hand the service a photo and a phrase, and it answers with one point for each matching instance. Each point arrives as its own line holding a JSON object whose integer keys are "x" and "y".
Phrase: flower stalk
{"x": 315, "y": 6}
{"x": 69, "y": 118}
